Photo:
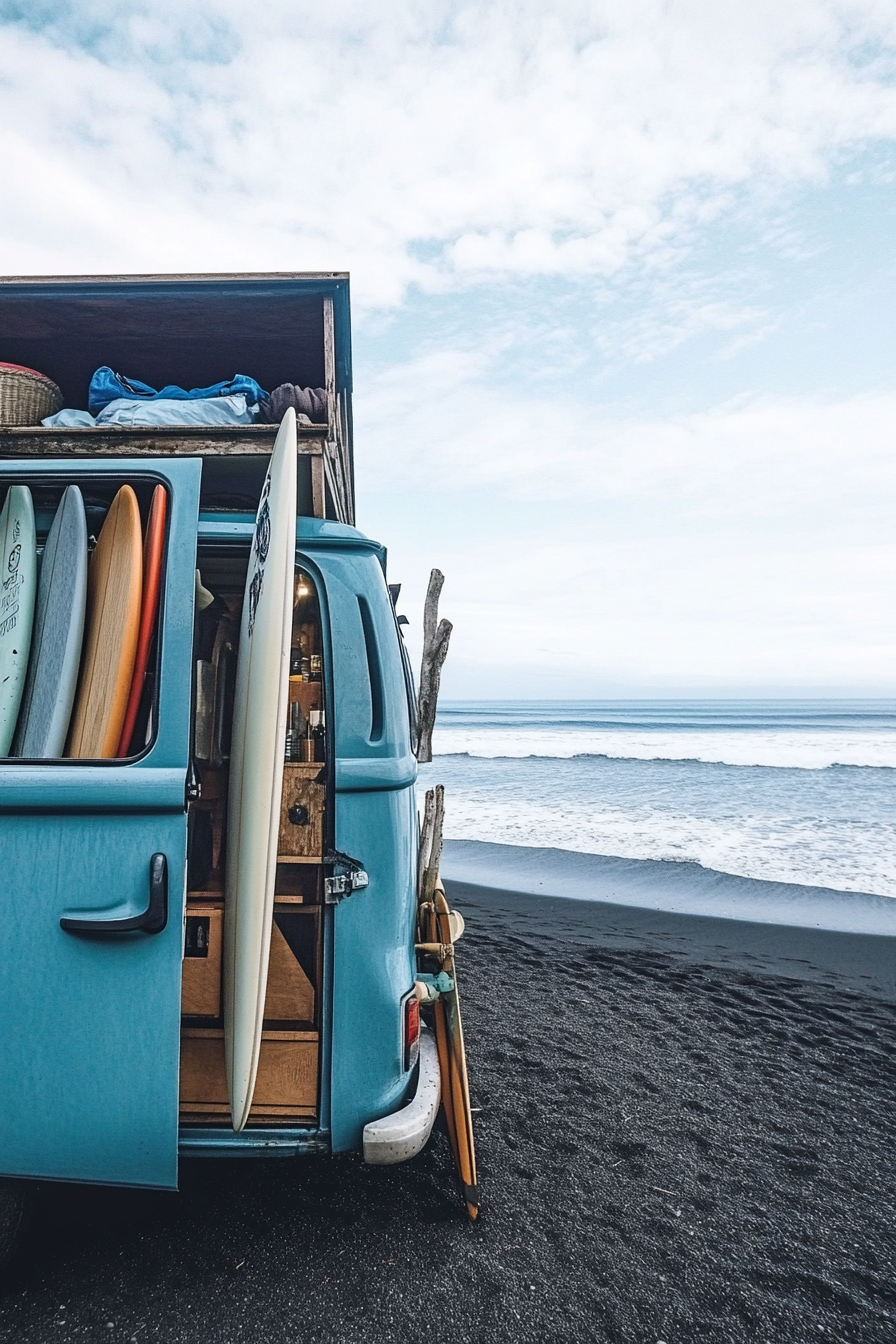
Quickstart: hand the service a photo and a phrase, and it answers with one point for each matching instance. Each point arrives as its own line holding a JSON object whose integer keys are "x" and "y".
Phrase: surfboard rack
{"x": 193, "y": 330}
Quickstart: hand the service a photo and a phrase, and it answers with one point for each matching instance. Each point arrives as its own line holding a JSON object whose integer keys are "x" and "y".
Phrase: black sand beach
{"x": 686, "y": 1133}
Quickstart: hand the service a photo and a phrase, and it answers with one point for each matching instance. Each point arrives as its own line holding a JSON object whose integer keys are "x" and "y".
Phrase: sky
{"x": 623, "y": 289}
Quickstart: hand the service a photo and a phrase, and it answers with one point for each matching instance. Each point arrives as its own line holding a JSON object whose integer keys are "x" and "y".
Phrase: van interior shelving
{"x": 287, "y": 1086}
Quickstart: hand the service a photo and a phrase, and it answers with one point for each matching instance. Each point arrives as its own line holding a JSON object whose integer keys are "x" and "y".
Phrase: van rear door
{"x": 91, "y": 1015}
{"x": 373, "y": 965}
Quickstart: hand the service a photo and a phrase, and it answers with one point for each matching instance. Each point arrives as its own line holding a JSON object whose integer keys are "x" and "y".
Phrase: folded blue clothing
{"x": 69, "y": 418}
{"x": 231, "y": 410}
{"x": 106, "y": 386}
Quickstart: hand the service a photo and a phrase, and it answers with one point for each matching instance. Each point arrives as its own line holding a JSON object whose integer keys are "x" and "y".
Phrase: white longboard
{"x": 256, "y": 770}
{"x": 18, "y": 586}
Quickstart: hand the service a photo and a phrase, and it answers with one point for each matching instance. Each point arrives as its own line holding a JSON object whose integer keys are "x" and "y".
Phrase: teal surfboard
{"x": 18, "y": 584}
{"x": 57, "y": 634}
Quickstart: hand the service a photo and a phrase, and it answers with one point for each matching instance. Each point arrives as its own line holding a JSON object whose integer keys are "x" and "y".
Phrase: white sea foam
{"x": 662, "y": 780}
{"x": 807, "y": 850}
{"x": 802, "y": 749}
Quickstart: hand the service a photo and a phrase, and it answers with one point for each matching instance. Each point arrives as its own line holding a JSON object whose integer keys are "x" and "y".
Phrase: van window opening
{"x": 374, "y": 673}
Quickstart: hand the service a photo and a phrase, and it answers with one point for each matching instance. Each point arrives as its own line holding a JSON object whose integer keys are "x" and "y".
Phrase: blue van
{"x": 112, "y": 1057}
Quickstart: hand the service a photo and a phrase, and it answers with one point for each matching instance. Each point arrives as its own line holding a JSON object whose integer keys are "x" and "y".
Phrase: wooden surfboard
{"x": 256, "y": 770}
{"x": 152, "y": 581}
{"x": 114, "y": 590}
{"x": 18, "y": 586}
{"x": 57, "y": 635}
{"x": 453, "y": 1060}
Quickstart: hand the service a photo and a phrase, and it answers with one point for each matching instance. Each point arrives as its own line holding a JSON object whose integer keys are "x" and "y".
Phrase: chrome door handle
{"x": 152, "y": 920}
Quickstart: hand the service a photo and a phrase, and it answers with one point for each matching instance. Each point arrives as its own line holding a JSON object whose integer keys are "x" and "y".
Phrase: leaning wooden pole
{"x": 436, "y": 635}
{"x": 436, "y": 934}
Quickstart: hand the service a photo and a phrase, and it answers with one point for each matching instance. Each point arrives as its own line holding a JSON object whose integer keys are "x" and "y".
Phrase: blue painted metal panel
{"x": 361, "y": 775}
{"x": 92, "y": 788}
{"x": 91, "y": 1024}
{"x": 351, "y": 573}
{"x": 376, "y": 822}
{"x": 374, "y": 963}
{"x": 285, "y": 1142}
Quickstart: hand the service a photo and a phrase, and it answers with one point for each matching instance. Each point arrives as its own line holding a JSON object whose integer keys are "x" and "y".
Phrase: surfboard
{"x": 153, "y": 544}
{"x": 256, "y": 769}
{"x": 114, "y": 592}
{"x": 18, "y": 586}
{"x": 443, "y": 927}
{"x": 57, "y": 635}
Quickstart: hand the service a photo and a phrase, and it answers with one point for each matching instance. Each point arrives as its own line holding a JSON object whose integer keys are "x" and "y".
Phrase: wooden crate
{"x": 290, "y": 994}
{"x": 201, "y": 980}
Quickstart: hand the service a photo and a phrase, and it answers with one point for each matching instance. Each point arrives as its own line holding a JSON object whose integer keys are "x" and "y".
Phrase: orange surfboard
{"x": 114, "y": 591}
{"x": 152, "y": 582}
{"x": 436, "y": 922}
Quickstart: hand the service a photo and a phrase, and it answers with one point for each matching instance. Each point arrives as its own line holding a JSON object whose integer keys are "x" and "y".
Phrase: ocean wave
{"x": 646, "y": 760}
{"x": 833, "y": 828}
{"x": 772, "y": 749}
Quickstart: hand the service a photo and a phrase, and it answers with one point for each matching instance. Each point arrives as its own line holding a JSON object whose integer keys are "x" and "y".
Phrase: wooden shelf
{"x": 217, "y": 1034}
{"x": 164, "y": 441}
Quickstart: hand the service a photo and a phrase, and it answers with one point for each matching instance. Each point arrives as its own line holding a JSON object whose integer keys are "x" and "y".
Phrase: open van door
{"x": 92, "y": 881}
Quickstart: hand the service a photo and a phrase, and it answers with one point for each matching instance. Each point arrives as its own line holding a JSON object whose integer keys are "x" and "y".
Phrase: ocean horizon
{"x": 788, "y": 791}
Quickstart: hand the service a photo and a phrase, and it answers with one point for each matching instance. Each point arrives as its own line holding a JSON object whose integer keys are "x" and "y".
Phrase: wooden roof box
{"x": 191, "y": 330}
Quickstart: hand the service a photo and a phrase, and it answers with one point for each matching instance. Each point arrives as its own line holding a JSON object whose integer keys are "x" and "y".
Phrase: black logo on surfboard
{"x": 261, "y": 547}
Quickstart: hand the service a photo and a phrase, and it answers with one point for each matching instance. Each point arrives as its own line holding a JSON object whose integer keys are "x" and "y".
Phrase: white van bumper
{"x": 404, "y": 1133}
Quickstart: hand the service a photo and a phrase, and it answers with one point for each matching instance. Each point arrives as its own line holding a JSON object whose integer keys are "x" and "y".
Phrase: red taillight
{"x": 411, "y": 1031}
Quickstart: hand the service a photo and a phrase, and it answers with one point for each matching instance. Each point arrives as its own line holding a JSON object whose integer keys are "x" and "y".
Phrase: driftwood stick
{"x": 431, "y": 871}
{"x": 431, "y": 606}
{"x": 425, "y": 846}
{"x": 436, "y": 635}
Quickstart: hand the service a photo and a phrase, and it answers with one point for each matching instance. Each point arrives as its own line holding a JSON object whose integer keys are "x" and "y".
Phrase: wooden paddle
{"x": 465, "y": 1150}
{"x": 436, "y": 939}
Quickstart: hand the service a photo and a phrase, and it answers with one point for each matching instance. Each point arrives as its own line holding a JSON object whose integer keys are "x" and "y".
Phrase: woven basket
{"x": 26, "y": 396}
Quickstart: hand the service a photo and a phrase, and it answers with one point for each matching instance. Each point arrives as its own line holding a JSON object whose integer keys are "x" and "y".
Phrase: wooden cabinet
{"x": 302, "y": 813}
{"x": 201, "y": 983}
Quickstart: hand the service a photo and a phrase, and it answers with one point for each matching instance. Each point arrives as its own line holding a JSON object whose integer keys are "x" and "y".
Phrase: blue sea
{"x": 786, "y": 791}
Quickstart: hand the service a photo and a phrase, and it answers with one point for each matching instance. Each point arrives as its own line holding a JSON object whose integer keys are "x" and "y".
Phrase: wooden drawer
{"x": 201, "y": 981}
{"x": 286, "y": 1086}
{"x": 302, "y": 792}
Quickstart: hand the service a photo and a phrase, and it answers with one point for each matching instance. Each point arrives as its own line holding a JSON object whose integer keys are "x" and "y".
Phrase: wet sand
{"x": 686, "y": 1134}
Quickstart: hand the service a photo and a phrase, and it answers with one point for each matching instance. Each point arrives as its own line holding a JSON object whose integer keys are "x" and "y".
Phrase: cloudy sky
{"x": 623, "y": 279}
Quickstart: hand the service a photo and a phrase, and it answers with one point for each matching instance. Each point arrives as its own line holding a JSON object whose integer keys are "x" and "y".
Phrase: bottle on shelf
{"x": 318, "y": 729}
{"x": 296, "y": 730}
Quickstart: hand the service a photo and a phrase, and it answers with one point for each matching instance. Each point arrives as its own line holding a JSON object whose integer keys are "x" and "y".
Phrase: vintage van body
{"x": 105, "y": 1074}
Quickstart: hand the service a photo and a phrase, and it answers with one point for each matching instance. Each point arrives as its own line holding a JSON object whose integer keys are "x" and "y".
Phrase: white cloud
{"x": 442, "y": 147}
{"x": 421, "y": 143}
{"x": 445, "y": 421}
{"x": 750, "y": 546}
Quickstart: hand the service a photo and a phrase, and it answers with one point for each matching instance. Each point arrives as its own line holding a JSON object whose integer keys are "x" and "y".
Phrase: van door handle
{"x": 152, "y": 920}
